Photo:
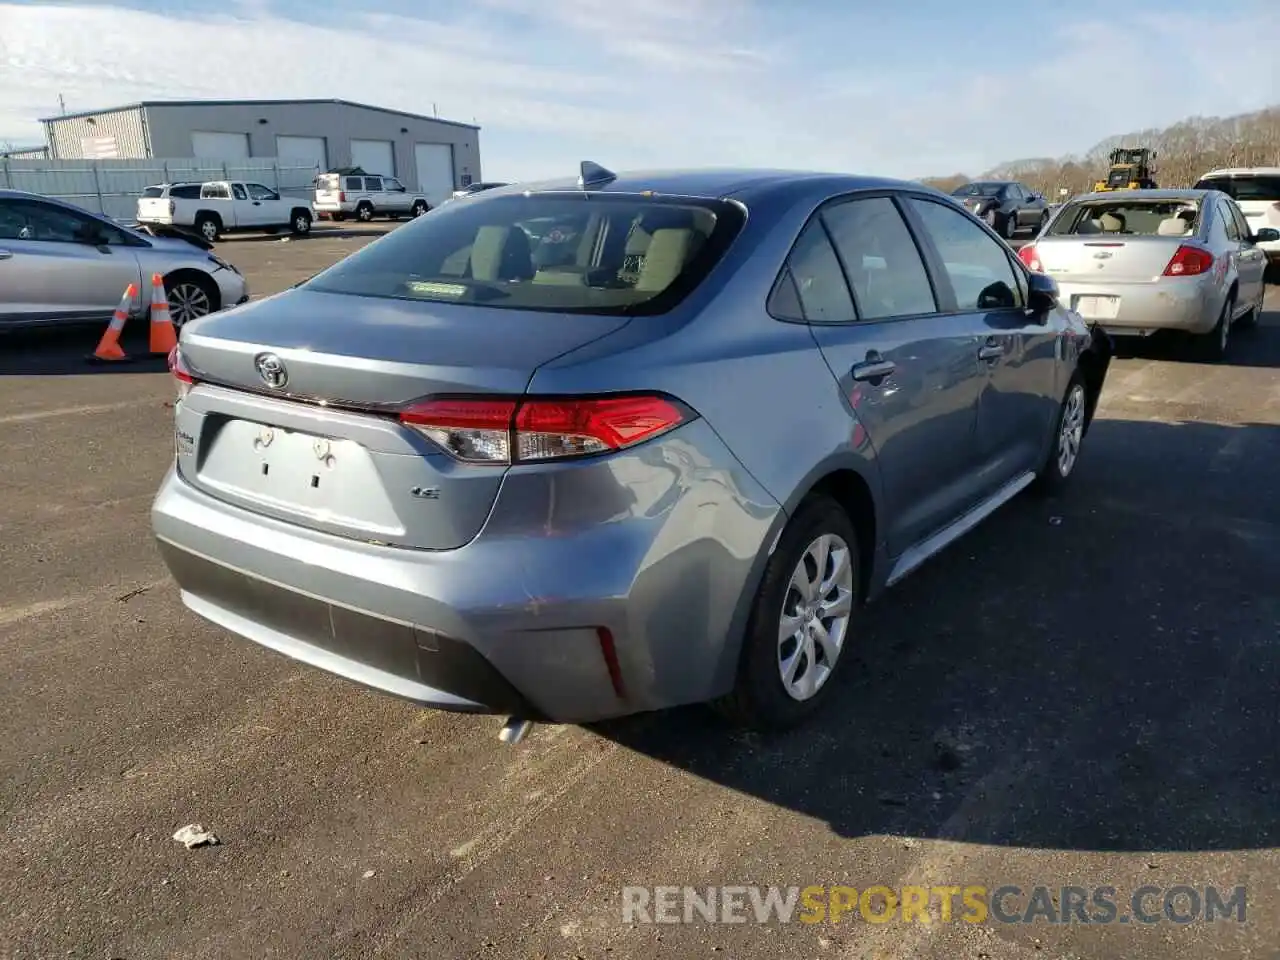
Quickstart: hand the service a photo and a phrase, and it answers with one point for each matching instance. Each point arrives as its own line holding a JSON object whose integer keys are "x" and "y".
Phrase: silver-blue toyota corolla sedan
{"x": 581, "y": 449}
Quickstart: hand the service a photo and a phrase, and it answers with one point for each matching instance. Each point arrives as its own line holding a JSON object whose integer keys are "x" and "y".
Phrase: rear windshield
{"x": 560, "y": 252}
{"x": 1265, "y": 187}
{"x": 153, "y": 192}
{"x": 978, "y": 190}
{"x": 1130, "y": 218}
{"x": 327, "y": 181}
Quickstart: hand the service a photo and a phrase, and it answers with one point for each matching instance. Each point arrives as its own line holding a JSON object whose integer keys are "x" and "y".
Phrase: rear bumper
{"x": 1187, "y": 304}
{"x": 511, "y": 622}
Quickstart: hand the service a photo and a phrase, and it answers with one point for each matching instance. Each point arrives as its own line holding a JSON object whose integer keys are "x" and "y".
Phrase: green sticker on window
{"x": 428, "y": 288}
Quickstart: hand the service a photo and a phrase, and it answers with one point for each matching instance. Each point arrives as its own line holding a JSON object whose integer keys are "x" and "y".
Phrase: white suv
{"x": 1256, "y": 191}
{"x": 342, "y": 195}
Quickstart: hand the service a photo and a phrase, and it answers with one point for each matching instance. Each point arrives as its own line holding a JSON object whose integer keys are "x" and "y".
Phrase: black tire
{"x": 209, "y": 226}
{"x": 1053, "y": 475}
{"x": 1211, "y": 347}
{"x": 1010, "y": 226}
{"x": 338, "y": 217}
{"x": 992, "y": 218}
{"x": 300, "y": 223}
{"x": 364, "y": 212}
{"x": 1250, "y": 319}
{"x": 1044, "y": 222}
{"x": 759, "y": 700}
{"x": 419, "y": 208}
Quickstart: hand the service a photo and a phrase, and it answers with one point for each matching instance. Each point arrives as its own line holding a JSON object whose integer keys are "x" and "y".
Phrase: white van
{"x": 363, "y": 196}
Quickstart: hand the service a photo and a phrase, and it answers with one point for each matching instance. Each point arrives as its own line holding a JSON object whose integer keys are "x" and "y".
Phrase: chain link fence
{"x": 112, "y": 187}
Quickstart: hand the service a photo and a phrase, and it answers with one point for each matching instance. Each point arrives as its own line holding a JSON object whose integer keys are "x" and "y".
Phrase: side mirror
{"x": 1266, "y": 235}
{"x": 1042, "y": 293}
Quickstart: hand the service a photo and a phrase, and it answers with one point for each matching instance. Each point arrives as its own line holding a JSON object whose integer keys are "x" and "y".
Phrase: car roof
{"x": 1243, "y": 172}
{"x": 741, "y": 183}
{"x": 1154, "y": 195}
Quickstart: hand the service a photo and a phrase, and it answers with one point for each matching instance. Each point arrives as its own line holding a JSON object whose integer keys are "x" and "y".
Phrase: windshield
{"x": 1129, "y": 218}
{"x": 978, "y": 190}
{"x": 1250, "y": 187}
{"x": 565, "y": 252}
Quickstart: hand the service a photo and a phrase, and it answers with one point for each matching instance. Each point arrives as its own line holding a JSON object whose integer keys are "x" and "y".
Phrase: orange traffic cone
{"x": 109, "y": 346}
{"x": 163, "y": 339}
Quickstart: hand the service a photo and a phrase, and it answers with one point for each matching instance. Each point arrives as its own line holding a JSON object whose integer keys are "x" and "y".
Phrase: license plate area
{"x": 296, "y": 473}
{"x": 1097, "y": 307}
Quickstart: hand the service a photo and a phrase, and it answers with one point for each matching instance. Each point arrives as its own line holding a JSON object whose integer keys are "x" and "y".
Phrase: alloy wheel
{"x": 1072, "y": 431}
{"x": 188, "y": 301}
{"x": 815, "y": 616}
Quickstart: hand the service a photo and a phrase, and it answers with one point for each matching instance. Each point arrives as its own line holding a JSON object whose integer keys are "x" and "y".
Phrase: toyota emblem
{"x": 271, "y": 370}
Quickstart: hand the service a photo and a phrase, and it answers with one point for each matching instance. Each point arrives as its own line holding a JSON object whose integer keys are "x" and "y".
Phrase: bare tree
{"x": 1185, "y": 151}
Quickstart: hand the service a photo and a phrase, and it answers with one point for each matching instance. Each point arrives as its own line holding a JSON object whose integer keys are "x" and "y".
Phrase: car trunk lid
{"x": 1101, "y": 259}
{"x": 292, "y": 414}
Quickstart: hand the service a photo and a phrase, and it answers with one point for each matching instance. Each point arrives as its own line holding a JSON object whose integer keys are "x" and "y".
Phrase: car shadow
{"x": 1096, "y": 672}
{"x": 318, "y": 232}
{"x": 67, "y": 350}
{"x": 1257, "y": 346}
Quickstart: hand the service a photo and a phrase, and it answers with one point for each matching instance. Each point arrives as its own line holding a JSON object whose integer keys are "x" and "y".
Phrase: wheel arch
{"x": 199, "y": 276}
{"x": 205, "y": 214}
{"x": 853, "y": 482}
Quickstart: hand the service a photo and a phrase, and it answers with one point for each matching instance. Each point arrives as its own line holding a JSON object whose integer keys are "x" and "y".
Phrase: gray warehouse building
{"x": 426, "y": 154}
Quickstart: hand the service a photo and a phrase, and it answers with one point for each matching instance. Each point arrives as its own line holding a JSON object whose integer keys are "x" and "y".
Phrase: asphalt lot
{"x": 1102, "y": 670}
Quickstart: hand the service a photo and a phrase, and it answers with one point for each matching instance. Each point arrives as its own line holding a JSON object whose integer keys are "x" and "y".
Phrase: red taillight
{"x": 1189, "y": 261}
{"x": 181, "y": 373}
{"x": 342, "y": 196}
{"x": 1031, "y": 257}
{"x": 480, "y": 430}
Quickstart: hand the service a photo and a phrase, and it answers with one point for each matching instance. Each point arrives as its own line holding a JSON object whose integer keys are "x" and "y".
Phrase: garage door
{"x": 303, "y": 152}
{"x": 373, "y": 156}
{"x": 435, "y": 171}
{"x": 220, "y": 146}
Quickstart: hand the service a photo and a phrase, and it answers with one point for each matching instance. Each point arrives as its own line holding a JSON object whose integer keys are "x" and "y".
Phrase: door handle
{"x": 873, "y": 368}
{"x": 257, "y": 203}
{"x": 6, "y": 254}
{"x": 992, "y": 351}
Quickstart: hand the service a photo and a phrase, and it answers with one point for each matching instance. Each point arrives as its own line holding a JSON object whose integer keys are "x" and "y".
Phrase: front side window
{"x": 880, "y": 258}
{"x": 981, "y": 273}
{"x": 258, "y": 192}
{"x": 392, "y": 185}
{"x": 558, "y": 252}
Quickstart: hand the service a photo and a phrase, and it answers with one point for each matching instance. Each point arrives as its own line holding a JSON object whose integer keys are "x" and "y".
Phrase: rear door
{"x": 907, "y": 373}
{"x": 60, "y": 264}
{"x": 1251, "y": 263}
{"x": 1018, "y": 353}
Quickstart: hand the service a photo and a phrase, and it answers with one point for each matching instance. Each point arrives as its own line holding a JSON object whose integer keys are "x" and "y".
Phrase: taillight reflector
{"x": 1031, "y": 257}
{"x": 487, "y": 430}
{"x": 1189, "y": 261}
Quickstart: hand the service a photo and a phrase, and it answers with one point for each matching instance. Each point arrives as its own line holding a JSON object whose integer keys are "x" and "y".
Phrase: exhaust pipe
{"x": 514, "y": 730}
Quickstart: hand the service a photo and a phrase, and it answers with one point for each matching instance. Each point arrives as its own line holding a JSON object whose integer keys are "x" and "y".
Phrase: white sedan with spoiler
{"x": 1139, "y": 261}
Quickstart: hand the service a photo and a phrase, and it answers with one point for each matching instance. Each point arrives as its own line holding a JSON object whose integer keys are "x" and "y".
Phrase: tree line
{"x": 1184, "y": 152}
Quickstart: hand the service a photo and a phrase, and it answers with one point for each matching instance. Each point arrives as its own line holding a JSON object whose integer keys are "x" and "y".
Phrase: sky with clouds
{"x": 901, "y": 89}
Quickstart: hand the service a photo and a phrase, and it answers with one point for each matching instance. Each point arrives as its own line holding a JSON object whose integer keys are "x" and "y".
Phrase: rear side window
{"x": 1260, "y": 187}
{"x": 1131, "y": 218}
{"x": 558, "y": 252}
{"x": 813, "y": 285}
{"x": 880, "y": 258}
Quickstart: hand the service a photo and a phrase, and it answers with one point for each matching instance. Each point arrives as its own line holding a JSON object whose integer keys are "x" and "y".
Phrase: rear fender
{"x": 1093, "y": 364}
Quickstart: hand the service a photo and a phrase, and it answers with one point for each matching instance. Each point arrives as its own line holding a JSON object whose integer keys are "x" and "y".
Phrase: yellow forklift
{"x": 1132, "y": 168}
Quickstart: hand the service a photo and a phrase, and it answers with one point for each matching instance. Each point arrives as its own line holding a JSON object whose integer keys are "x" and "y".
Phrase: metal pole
{"x": 97, "y": 185}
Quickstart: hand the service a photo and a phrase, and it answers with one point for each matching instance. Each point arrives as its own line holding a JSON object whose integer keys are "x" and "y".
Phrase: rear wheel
{"x": 799, "y": 625}
{"x": 1212, "y": 346}
{"x": 364, "y": 212}
{"x": 209, "y": 227}
{"x": 419, "y": 208}
{"x": 301, "y": 223}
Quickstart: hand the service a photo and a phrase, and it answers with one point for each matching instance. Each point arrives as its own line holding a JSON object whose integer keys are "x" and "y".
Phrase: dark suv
{"x": 1006, "y": 205}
